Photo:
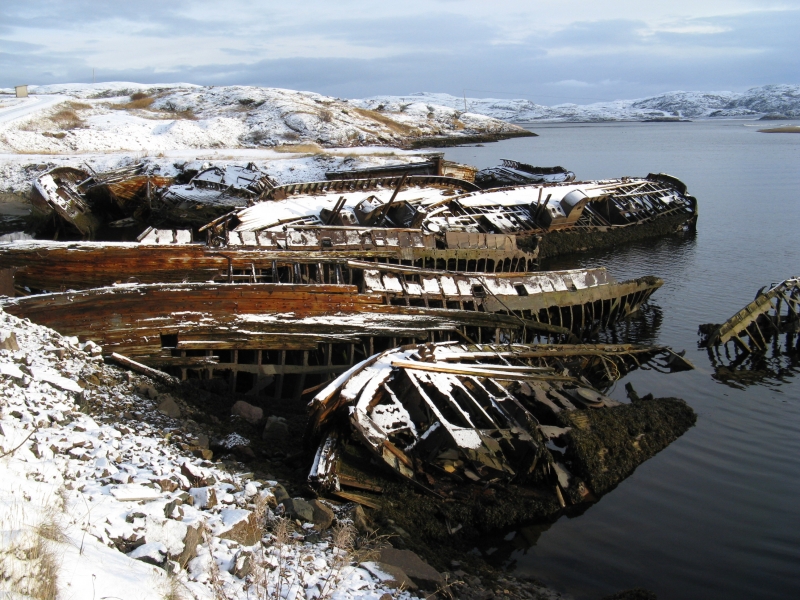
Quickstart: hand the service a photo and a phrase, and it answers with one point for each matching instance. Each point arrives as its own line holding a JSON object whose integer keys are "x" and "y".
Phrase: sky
{"x": 549, "y": 52}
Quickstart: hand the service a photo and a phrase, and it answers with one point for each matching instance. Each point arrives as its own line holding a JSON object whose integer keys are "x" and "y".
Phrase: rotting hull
{"x": 546, "y": 219}
{"x": 168, "y": 256}
{"x": 302, "y": 330}
{"x": 457, "y": 420}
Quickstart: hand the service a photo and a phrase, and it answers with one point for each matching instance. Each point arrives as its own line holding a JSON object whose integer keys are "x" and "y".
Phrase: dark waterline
{"x": 717, "y": 514}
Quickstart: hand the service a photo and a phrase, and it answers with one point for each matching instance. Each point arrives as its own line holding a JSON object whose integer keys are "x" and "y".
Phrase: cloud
{"x": 347, "y": 50}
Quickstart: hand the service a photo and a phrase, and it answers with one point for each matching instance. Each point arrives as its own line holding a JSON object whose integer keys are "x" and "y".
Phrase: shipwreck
{"x": 546, "y": 219}
{"x": 448, "y": 418}
{"x": 512, "y": 172}
{"x": 760, "y": 341}
{"x": 87, "y": 203}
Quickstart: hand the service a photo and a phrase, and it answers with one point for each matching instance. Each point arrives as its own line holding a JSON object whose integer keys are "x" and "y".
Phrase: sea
{"x": 716, "y": 515}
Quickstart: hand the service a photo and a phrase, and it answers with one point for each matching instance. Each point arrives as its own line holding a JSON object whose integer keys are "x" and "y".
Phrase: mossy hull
{"x": 567, "y": 242}
{"x": 604, "y": 447}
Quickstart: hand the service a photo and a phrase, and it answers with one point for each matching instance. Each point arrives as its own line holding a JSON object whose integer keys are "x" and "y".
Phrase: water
{"x": 716, "y": 514}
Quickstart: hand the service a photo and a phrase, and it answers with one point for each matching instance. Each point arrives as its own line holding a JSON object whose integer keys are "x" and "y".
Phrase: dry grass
{"x": 67, "y": 117}
{"x": 305, "y": 148}
{"x": 30, "y": 565}
{"x": 387, "y": 122}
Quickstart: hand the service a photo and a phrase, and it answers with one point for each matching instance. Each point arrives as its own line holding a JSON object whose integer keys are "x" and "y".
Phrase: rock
{"x": 281, "y": 495}
{"x": 275, "y": 429}
{"x": 251, "y": 414}
{"x": 203, "y": 453}
{"x": 240, "y": 526}
{"x": 8, "y": 340}
{"x": 243, "y": 565}
{"x": 204, "y": 497}
{"x": 198, "y": 476}
{"x": 360, "y": 520}
{"x": 153, "y": 553}
{"x": 297, "y": 508}
{"x": 420, "y": 572}
{"x": 148, "y": 391}
{"x": 194, "y": 536}
{"x": 169, "y": 407}
{"x": 201, "y": 440}
{"x": 323, "y": 515}
{"x": 390, "y": 576}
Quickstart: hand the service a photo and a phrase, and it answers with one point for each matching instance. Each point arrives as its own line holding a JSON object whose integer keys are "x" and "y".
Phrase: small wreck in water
{"x": 453, "y": 419}
{"x": 760, "y": 341}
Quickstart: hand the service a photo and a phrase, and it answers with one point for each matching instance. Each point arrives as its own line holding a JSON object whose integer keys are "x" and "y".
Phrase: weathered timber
{"x": 774, "y": 311}
{"x": 446, "y": 417}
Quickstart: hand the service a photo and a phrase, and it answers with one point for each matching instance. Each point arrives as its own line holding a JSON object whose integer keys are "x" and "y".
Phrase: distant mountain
{"x": 782, "y": 100}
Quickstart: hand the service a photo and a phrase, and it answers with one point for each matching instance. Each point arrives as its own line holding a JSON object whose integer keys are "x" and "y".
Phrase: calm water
{"x": 717, "y": 514}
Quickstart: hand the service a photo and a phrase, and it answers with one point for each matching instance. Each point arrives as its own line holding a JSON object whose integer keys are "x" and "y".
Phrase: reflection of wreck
{"x": 446, "y": 415}
{"x": 512, "y": 173}
{"x": 761, "y": 340}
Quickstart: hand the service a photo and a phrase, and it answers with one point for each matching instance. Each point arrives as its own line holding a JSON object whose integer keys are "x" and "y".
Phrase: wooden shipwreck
{"x": 443, "y": 416}
{"x": 314, "y": 316}
{"x": 546, "y": 219}
{"x": 512, "y": 172}
{"x": 759, "y": 342}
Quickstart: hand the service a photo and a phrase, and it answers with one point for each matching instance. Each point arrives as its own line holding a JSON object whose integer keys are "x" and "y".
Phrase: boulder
{"x": 194, "y": 536}
{"x": 243, "y": 564}
{"x": 153, "y": 553}
{"x": 297, "y": 508}
{"x": 275, "y": 429}
{"x": 281, "y": 495}
{"x": 251, "y": 414}
{"x": 390, "y": 576}
{"x": 240, "y": 526}
{"x": 420, "y": 572}
{"x": 323, "y": 515}
{"x": 167, "y": 406}
{"x": 147, "y": 391}
{"x": 360, "y": 520}
{"x": 204, "y": 497}
{"x": 8, "y": 340}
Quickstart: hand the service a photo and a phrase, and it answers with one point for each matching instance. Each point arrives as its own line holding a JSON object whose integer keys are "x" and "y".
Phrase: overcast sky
{"x": 548, "y": 51}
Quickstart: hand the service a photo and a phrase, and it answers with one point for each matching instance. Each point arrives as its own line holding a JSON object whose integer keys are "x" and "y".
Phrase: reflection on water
{"x": 714, "y": 515}
{"x": 774, "y": 367}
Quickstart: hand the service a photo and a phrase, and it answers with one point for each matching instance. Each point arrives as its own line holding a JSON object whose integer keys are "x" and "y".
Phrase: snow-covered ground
{"x": 115, "y": 505}
{"x": 153, "y": 119}
{"x": 756, "y": 102}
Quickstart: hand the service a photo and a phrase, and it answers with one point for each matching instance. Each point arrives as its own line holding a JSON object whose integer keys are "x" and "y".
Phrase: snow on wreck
{"x": 308, "y": 320}
{"x": 548, "y": 219}
{"x": 88, "y": 203}
{"x": 448, "y": 416}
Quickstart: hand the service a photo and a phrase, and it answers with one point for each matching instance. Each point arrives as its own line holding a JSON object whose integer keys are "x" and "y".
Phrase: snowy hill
{"x": 756, "y": 102}
{"x": 131, "y": 117}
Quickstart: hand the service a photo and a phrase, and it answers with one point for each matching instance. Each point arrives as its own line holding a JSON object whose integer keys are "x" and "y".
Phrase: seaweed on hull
{"x": 515, "y": 433}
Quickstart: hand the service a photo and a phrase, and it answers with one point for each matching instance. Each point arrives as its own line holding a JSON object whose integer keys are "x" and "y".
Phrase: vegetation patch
{"x": 388, "y": 122}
